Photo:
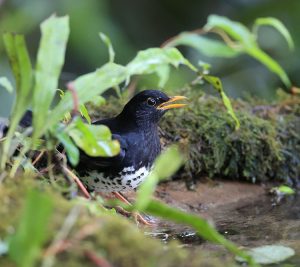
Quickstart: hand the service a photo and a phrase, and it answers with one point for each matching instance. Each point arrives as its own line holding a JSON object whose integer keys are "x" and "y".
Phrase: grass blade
{"x": 50, "y": 59}
{"x": 20, "y": 63}
{"x": 278, "y": 25}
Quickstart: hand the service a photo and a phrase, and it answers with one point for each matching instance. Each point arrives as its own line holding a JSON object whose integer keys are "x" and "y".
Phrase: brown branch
{"x": 38, "y": 157}
{"x": 197, "y": 31}
{"x": 71, "y": 88}
{"x": 78, "y": 182}
{"x": 96, "y": 259}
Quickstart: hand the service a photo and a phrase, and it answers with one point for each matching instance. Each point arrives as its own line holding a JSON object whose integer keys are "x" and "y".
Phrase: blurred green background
{"x": 133, "y": 25}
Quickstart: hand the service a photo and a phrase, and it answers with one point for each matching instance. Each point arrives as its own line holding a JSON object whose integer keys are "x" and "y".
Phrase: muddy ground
{"x": 245, "y": 213}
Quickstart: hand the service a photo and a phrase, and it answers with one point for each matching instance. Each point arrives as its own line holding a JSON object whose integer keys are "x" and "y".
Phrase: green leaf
{"x": 4, "y": 82}
{"x": 50, "y": 59}
{"x": 107, "y": 41}
{"x": 217, "y": 84}
{"x": 164, "y": 166}
{"x": 269, "y": 254}
{"x": 9, "y": 44}
{"x": 20, "y": 63}
{"x": 147, "y": 61}
{"x": 284, "y": 189}
{"x": 202, "y": 227}
{"x": 71, "y": 149}
{"x": 278, "y": 25}
{"x": 163, "y": 73}
{"x": 94, "y": 140}
{"x": 247, "y": 43}
{"x": 168, "y": 162}
{"x": 25, "y": 245}
{"x": 270, "y": 63}
{"x": 97, "y": 101}
{"x": 206, "y": 46}
{"x": 146, "y": 191}
{"x": 236, "y": 30}
{"x": 84, "y": 112}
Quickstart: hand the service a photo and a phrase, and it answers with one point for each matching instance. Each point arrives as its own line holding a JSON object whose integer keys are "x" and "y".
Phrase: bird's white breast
{"x": 127, "y": 179}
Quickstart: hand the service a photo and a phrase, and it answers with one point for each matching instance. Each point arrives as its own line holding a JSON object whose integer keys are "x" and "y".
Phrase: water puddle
{"x": 249, "y": 223}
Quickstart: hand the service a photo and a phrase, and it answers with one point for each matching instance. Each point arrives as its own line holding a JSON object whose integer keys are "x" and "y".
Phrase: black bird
{"x": 136, "y": 128}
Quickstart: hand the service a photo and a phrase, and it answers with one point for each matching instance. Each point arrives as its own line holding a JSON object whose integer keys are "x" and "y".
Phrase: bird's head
{"x": 150, "y": 105}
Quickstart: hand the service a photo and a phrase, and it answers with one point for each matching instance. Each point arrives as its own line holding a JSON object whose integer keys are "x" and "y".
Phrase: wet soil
{"x": 244, "y": 213}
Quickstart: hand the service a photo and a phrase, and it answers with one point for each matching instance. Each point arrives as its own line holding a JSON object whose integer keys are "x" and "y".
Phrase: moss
{"x": 106, "y": 234}
{"x": 266, "y": 147}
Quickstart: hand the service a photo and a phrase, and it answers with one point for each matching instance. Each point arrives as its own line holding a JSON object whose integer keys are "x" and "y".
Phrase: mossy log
{"x": 265, "y": 147}
{"x": 106, "y": 234}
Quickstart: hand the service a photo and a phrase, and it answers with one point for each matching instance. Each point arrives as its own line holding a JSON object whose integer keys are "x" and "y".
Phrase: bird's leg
{"x": 138, "y": 218}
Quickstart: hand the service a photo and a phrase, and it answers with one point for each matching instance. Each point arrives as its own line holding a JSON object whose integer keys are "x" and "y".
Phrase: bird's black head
{"x": 149, "y": 106}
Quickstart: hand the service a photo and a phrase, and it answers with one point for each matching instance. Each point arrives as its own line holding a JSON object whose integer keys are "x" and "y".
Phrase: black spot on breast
{"x": 96, "y": 180}
{"x": 137, "y": 178}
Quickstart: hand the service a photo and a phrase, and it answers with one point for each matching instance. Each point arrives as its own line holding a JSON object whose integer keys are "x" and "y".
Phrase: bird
{"x": 136, "y": 129}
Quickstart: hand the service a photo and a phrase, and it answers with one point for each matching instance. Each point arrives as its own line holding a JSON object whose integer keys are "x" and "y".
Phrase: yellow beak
{"x": 169, "y": 104}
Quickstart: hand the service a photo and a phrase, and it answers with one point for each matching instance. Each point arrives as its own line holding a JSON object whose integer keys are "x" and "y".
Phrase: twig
{"x": 137, "y": 217}
{"x": 197, "y": 31}
{"x": 95, "y": 258}
{"x": 46, "y": 169}
{"x": 78, "y": 182}
{"x": 225, "y": 38}
{"x": 38, "y": 157}
{"x": 71, "y": 88}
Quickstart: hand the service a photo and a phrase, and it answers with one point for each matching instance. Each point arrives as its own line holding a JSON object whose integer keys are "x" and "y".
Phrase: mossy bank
{"x": 265, "y": 147}
{"x": 89, "y": 230}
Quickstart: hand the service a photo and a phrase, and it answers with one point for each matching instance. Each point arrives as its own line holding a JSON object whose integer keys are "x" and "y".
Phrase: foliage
{"x": 37, "y": 88}
{"x": 237, "y": 40}
{"x": 83, "y": 89}
{"x": 42, "y": 85}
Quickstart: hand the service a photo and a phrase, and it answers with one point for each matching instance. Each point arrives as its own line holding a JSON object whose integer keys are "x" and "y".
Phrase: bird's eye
{"x": 151, "y": 101}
